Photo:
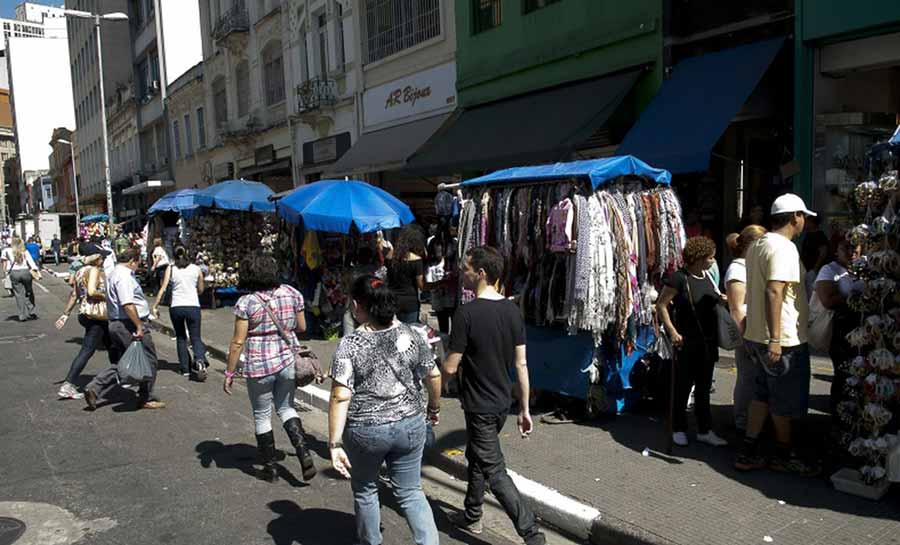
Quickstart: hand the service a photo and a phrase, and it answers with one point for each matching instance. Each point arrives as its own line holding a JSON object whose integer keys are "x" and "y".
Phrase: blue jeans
{"x": 186, "y": 320}
{"x": 409, "y": 317}
{"x": 400, "y": 444}
{"x": 277, "y": 389}
{"x": 95, "y": 332}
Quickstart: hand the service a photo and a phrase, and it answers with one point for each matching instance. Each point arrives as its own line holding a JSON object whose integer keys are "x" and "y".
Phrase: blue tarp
{"x": 895, "y": 140}
{"x": 335, "y": 205}
{"x": 237, "y": 195}
{"x": 682, "y": 124}
{"x": 95, "y": 218}
{"x": 183, "y": 201}
{"x": 598, "y": 170}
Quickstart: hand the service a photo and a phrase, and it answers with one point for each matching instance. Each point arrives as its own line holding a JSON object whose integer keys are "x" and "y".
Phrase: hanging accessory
{"x": 306, "y": 363}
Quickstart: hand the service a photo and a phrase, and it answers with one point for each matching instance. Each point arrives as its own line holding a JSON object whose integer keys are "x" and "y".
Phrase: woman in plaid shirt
{"x": 269, "y": 359}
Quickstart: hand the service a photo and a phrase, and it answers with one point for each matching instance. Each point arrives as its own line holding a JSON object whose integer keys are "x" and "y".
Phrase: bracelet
{"x": 434, "y": 410}
{"x": 333, "y": 446}
{"x": 229, "y": 374}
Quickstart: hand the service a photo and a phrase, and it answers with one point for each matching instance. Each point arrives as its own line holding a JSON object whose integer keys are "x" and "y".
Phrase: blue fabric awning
{"x": 598, "y": 170}
{"x": 682, "y": 124}
{"x": 895, "y": 140}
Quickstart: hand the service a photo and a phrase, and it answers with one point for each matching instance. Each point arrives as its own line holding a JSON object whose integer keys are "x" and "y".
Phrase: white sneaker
{"x": 680, "y": 438}
{"x": 68, "y": 391}
{"x": 710, "y": 438}
{"x": 690, "y": 403}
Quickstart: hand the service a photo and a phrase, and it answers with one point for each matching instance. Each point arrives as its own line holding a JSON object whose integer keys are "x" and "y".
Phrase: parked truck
{"x": 46, "y": 225}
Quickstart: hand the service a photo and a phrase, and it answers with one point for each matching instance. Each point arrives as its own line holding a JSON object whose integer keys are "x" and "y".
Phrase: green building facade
{"x": 847, "y": 93}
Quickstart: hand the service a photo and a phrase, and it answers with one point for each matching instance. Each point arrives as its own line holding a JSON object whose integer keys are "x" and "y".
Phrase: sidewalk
{"x": 611, "y": 493}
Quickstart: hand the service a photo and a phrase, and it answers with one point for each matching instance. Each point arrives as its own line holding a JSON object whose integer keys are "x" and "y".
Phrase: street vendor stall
{"x": 587, "y": 244}
{"x": 93, "y": 225}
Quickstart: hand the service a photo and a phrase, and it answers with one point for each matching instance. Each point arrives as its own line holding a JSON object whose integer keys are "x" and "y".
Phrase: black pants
{"x": 488, "y": 468}
{"x": 443, "y": 317}
{"x": 95, "y": 332}
{"x": 186, "y": 321}
{"x": 694, "y": 369}
{"x": 120, "y": 333}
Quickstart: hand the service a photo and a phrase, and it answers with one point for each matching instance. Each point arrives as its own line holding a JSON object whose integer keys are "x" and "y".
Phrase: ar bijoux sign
{"x": 419, "y": 93}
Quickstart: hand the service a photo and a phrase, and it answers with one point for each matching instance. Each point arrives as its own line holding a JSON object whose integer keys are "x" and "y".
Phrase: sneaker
{"x": 186, "y": 374}
{"x": 152, "y": 405}
{"x": 68, "y": 391}
{"x": 690, "y": 403}
{"x": 749, "y": 462}
{"x": 794, "y": 465}
{"x": 680, "y": 438}
{"x": 91, "y": 399}
{"x": 200, "y": 371}
{"x": 710, "y": 438}
{"x": 556, "y": 417}
{"x": 463, "y": 523}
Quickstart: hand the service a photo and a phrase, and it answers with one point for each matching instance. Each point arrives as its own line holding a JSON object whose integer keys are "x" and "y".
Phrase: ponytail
{"x": 181, "y": 257}
{"x": 372, "y": 294}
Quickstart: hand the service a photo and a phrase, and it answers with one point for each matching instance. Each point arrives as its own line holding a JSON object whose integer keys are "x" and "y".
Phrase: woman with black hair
{"x": 378, "y": 408}
{"x": 186, "y": 280}
{"x": 406, "y": 273}
{"x": 442, "y": 280}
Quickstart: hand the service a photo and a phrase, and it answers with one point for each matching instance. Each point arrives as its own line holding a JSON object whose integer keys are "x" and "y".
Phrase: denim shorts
{"x": 785, "y": 385}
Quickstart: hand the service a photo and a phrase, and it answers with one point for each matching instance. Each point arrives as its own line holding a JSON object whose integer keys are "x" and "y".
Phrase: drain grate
{"x": 10, "y": 530}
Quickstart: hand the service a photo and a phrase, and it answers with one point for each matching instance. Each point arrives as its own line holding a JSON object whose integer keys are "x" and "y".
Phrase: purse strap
{"x": 690, "y": 298}
{"x": 278, "y": 326}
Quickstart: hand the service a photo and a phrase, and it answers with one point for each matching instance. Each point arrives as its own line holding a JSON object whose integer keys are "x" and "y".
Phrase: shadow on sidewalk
{"x": 241, "y": 456}
{"x": 309, "y": 526}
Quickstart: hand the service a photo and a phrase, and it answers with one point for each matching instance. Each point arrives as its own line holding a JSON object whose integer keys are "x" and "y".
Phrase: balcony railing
{"x": 237, "y": 19}
{"x": 316, "y": 93}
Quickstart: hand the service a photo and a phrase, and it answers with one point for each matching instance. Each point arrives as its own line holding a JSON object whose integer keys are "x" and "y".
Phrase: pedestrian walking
{"x": 34, "y": 248}
{"x": 775, "y": 335}
{"x": 160, "y": 263}
{"x": 22, "y": 271}
{"x": 186, "y": 280}
{"x": 694, "y": 334}
{"x": 262, "y": 319}
{"x": 378, "y": 410}
{"x": 735, "y": 290}
{"x": 833, "y": 286}
{"x": 441, "y": 278}
{"x": 406, "y": 273}
{"x": 486, "y": 343}
{"x": 56, "y": 248}
{"x": 89, "y": 296}
{"x": 364, "y": 264}
{"x": 129, "y": 320}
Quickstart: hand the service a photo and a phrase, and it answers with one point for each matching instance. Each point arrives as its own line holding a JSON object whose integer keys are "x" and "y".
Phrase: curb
{"x": 565, "y": 514}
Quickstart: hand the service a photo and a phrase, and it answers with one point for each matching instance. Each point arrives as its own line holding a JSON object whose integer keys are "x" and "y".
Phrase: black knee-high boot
{"x": 294, "y": 429}
{"x": 266, "y": 447}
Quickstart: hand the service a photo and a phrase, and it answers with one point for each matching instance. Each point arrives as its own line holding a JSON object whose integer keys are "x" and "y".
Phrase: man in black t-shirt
{"x": 487, "y": 341}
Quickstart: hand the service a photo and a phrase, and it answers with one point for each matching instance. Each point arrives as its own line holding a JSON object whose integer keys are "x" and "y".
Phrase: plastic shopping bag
{"x": 135, "y": 366}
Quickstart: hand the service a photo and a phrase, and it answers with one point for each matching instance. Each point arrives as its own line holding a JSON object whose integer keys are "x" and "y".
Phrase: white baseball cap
{"x": 788, "y": 203}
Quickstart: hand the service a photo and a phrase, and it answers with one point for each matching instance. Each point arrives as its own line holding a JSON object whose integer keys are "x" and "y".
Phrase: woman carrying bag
{"x": 187, "y": 284}
{"x": 264, "y": 326}
{"x": 694, "y": 335}
{"x": 89, "y": 295}
{"x": 22, "y": 270}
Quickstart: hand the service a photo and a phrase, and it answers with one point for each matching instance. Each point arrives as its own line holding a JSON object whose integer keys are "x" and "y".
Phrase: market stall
{"x": 94, "y": 225}
{"x": 586, "y": 244}
{"x": 340, "y": 216}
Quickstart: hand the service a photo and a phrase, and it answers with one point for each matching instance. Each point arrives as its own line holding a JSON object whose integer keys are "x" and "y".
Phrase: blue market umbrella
{"x": 95, "y": 218}
{"x": 181, "y": 201}
{"x": 335, "y": 205}
{"x": 237, "y": 195}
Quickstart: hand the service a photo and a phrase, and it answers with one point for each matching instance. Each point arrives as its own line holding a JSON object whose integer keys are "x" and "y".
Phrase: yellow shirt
{"x": 775, "y": 258}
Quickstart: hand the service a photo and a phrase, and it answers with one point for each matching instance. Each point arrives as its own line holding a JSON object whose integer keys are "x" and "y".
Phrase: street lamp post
{"x": 117, "y": 16}
{"x": 74, "y": 182}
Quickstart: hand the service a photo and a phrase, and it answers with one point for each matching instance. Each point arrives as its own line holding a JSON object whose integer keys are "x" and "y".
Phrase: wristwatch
{"x": 333, "y": 446}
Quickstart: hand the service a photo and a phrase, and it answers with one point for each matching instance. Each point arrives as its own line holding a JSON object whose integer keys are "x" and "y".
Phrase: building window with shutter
{"x": 176, "y": 139}
{"x": 188, "y": 137}
{"x": 242, "y": 83}
{"x": 391, "y": 26}
{"x": 201, "y": 128}
{"x": 273, "y": 73}
{"x": 220, "y": 102}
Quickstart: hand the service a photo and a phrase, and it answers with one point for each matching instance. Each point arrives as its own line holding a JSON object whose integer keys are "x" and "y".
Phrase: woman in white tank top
{"x": 186, "y": 280}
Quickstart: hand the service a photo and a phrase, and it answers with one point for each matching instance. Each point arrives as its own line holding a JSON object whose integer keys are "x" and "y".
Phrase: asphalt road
{"x": 181, "y": 475}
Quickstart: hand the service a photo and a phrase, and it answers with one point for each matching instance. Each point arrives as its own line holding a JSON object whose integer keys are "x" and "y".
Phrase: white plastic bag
{"x": 134, "y": 366}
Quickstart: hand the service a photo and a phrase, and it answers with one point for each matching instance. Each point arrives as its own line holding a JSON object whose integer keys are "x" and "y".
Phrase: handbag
{"x": 93, "y": 310}
{"x": 728, "y": 334}
{"x": 821, "y": 325}
{"x": 306, "y": 363}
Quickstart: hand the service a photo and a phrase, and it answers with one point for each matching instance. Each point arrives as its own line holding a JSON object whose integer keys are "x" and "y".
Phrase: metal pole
{"x": 75, "y": 186}
{"x": 109, "y": 203}
{"x": 160, "y": 51}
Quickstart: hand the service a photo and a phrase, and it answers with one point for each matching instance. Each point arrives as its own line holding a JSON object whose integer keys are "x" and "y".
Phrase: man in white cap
{"x": 775, "y": 337}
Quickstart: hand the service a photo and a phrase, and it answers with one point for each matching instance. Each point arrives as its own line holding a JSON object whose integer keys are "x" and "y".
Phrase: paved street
{"x": 182, "y": 475}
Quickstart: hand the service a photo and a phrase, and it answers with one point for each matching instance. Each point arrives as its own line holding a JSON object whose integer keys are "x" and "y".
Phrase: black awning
{"x": 541, "y": 127}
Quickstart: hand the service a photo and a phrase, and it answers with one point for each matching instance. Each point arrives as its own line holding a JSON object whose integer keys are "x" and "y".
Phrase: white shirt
{"x": 835, "y": 272}
{"x": 9, "y": 255}
{"x": 775, "y": 258}
{"x": 184, "y": 286}
{"x": 160, "y": 252}
{"x": 122, "y": 289}
{"x": 737, "y": 272}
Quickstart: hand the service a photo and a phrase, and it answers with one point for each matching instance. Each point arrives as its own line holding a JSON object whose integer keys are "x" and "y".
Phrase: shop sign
{"x": 326, "y": 150}
{"x": 265, "y": 155}
{"x": 420, "y": 93}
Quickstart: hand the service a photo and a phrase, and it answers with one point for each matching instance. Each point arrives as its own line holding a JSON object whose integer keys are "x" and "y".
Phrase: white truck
{"x": 46, "y": 225}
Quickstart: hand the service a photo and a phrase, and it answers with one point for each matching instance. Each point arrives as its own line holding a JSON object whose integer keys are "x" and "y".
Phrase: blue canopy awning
{"x": 237, "y": 195}
{"x": 598, "y": 170}
{"x": 682, "y": 124}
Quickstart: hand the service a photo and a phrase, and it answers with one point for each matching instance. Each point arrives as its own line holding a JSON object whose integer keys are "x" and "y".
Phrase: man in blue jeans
{"x": 775, "y": 337}
{"x": 487, "y": 341}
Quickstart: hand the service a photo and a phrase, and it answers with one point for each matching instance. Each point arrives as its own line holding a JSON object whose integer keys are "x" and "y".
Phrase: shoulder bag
{"x": 306, "y": 363}
{"x": 93, "y": 310}
{"x": 728, "y": 334}
{"x": 821, "y": 325}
